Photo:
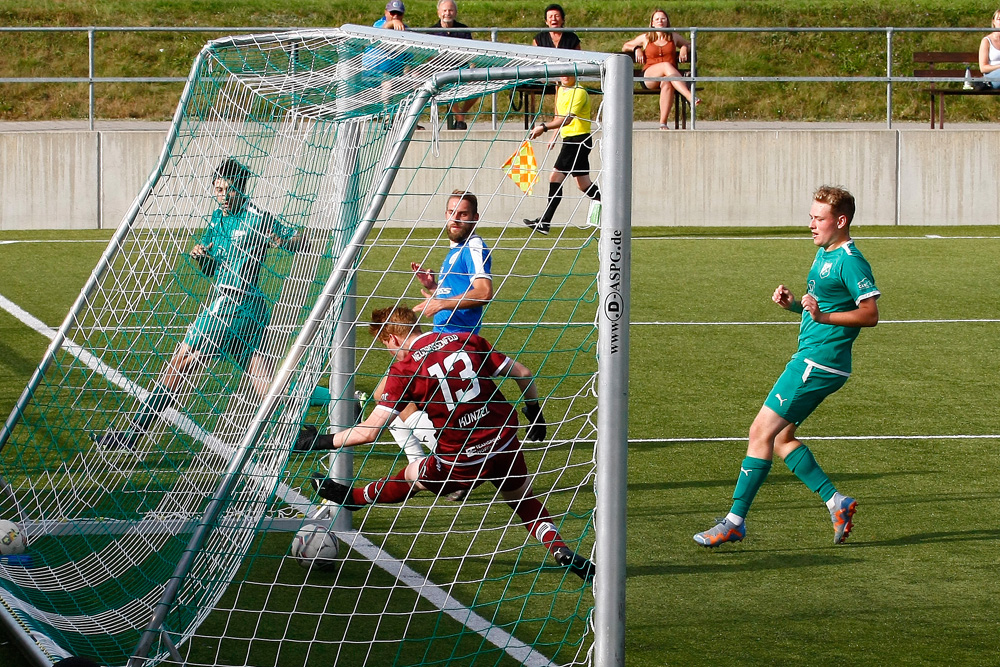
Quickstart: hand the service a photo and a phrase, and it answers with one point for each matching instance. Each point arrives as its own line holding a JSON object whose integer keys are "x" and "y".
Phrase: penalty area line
{"x": 420, "y": 584}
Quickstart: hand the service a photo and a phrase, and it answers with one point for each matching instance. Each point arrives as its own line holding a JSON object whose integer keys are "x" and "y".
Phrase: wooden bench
{"x": 526, "y": 97}
{"x": 949, "y": 64}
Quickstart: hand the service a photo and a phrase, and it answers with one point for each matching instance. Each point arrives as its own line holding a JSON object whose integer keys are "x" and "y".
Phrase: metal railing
{"x": 693, "y": 78}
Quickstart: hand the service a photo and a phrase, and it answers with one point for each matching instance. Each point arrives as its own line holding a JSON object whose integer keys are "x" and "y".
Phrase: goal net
{"x": 151, "y": 463}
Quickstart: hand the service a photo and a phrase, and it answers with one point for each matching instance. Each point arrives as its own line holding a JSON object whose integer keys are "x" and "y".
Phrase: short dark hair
{"x": 465, "y": 195}
{"x": 840, "y": 200}
{"x": 557, "y": 7}
{"x": 235, "y": 173}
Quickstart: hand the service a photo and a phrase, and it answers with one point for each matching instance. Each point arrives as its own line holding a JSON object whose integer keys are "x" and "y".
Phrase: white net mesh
{"x": 148, "y": 477}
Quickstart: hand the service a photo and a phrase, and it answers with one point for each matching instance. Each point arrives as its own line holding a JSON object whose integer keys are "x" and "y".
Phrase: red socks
{"x": 538, "y": 522}
{"x": 393, "y": 489}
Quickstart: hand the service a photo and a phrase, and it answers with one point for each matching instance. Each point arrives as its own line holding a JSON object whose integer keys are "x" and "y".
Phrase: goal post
{"x": 172, "y": 536}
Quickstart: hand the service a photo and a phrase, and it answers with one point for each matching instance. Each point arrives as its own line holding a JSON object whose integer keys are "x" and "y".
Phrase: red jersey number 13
{"x": 460, "y": 389}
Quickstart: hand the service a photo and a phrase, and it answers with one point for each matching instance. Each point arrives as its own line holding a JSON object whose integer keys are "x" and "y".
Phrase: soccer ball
{"x": 315, "y": 546}
{"x": 11, "y": 538}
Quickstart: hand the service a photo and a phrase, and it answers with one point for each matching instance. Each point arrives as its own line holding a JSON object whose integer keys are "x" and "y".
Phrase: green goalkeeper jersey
{"x": 240, "y": 242}
{"x": 839, "y": 279}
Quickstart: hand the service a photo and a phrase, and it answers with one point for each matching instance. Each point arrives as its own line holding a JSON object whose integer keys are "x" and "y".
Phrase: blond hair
{"x": 840, "y": 200}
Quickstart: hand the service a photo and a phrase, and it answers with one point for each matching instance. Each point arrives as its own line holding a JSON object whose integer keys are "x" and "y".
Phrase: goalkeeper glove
{"x": 308, "y": 435}
{"x": 536, "y": 421}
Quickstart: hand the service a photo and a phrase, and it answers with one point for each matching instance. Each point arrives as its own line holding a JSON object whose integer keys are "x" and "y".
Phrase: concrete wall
{"x": 87, "y": 180}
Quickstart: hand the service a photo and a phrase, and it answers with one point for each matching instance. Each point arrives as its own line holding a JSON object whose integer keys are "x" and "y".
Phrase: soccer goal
{"x": 159, "y": 511}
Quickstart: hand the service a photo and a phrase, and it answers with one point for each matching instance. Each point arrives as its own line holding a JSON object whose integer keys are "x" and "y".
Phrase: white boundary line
{"x": 925, "y": 237}
{"x": 970, "y": 436}
{"x": 420, "y": 584}
{"x": 796, "y": 322}
{"x": 804, "y": 237}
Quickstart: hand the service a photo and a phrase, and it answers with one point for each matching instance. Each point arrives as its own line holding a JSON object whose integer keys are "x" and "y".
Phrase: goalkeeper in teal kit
{"x": 231, "y": 252}
{"x": 840, "y": 300}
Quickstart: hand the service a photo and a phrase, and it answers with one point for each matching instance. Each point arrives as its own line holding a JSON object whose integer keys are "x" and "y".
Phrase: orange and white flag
{"x": 522, "y": 168}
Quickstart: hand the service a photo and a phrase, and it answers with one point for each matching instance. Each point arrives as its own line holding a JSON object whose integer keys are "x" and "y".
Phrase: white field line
{"x": 16, "y": 241}
{"x": 806, "y": 237}
{"x": 796, "y": 323}
{"x": 959, "y": 436}
{"x": 420, "y": 584}
{"x": 803, "y": 237}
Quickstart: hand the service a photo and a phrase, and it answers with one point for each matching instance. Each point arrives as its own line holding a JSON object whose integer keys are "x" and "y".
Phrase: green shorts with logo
{"x": 801, "y": 388}
{"x": 230, "y": 327}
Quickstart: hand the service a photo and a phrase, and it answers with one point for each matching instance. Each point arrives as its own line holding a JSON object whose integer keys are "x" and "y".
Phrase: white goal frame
{"x": 615, "y": 72}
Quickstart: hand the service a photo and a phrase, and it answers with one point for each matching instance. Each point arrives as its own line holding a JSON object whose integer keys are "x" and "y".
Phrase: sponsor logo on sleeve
{"x": 864, "y": 283}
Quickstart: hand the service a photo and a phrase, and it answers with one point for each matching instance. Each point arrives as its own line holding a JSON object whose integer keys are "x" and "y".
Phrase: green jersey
{"x": 839, "y": 279}
{"x": 239, "y": 243}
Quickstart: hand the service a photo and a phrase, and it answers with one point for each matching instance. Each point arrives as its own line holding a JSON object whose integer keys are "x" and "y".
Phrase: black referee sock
{"x": 593, "y": 192}
{"x": 555, "y": 196}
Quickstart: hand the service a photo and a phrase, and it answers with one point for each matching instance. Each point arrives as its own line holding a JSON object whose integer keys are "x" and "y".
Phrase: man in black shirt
{"x": 555, "y": 18}
{"x": 447, "y": 11}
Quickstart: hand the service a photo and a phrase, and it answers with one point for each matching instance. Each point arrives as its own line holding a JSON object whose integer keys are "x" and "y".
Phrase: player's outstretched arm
{"x": 364, "y": 433}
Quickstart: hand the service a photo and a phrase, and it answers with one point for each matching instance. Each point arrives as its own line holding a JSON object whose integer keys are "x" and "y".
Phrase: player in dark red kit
{"x": 450, "y": 376}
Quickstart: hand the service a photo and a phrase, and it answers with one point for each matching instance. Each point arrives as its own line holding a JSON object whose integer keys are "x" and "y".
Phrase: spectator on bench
{"x": 555, "y": 18}
{"x": 658, "y": 52}
{"x": 447, "y": 11}
{"x": 989, "y": 54}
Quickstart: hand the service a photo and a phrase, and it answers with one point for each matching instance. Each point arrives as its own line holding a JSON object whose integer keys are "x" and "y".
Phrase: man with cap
{"x": 393, "y": 19}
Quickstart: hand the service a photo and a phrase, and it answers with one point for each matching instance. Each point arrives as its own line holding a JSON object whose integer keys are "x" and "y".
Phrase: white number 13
{"x": 462, "y": 389}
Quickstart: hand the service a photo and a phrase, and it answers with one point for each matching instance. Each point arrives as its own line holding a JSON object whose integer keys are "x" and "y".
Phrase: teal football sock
{"x": 801, "y": 462}
{"x": 753, "y": 472}
{"x": 320, "y": 397}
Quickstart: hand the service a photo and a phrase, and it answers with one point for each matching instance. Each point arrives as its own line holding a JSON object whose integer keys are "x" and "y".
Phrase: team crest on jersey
{"x": 239, "y": 233}
{"x": 825, "y": 271}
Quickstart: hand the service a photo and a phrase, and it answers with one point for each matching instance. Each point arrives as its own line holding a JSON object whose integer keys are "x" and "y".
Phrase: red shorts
{"x": 505, "y": 469}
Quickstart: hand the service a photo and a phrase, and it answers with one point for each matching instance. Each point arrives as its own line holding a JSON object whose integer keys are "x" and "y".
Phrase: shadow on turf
{"x": 773, "y": 478}
{"x": 928, "y": 538}
{"x": 775, "y": 561}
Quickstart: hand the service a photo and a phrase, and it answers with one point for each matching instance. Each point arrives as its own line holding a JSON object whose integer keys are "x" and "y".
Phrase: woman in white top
{"x": 989, "y": 54}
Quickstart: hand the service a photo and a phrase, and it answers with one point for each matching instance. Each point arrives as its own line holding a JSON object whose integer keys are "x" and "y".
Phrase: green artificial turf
{"x": 915, "y": 584}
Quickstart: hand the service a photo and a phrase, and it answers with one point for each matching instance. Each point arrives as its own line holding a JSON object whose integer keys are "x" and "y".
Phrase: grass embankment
{"x": 720, "y": 54}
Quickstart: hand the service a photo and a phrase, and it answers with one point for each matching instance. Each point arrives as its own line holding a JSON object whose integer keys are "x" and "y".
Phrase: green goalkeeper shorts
{"x": 801, "y": 388}
{"x": 229, "y": 327}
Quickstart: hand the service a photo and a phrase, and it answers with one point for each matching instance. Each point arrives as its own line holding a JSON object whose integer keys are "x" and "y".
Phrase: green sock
{"x": 320, "y": 397}
{"x": 753, "y": 472}
{"x": 801, "y": 462}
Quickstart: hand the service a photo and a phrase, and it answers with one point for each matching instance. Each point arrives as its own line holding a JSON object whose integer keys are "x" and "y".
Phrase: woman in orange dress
{"x": 658, "y": 51}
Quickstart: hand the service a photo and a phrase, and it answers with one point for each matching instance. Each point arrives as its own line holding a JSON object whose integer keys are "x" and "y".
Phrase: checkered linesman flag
{"x": 522, "y": 168}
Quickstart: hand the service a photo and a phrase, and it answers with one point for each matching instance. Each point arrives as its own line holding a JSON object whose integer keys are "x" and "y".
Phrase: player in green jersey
{"x": 231, "y": 252}
{"x": 840, "y": 299}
